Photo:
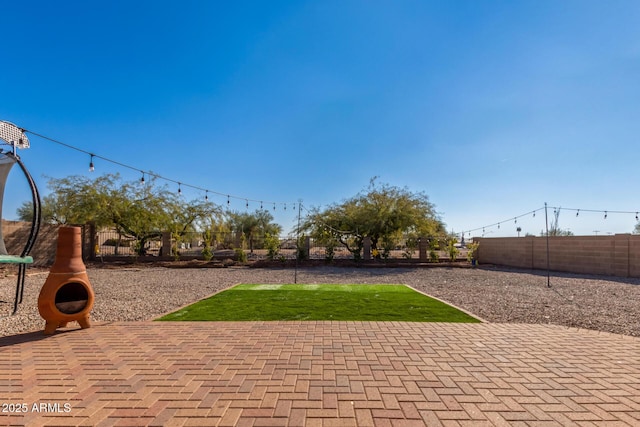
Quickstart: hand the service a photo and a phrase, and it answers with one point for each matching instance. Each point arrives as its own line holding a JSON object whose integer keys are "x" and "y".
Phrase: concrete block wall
{"x": 15, "y": 235}
{"x": 617, "y": 255}
{"x": 510, "y": 251}
{"x": 634, "y": 255}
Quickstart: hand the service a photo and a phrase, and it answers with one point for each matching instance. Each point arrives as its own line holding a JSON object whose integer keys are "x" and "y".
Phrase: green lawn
{"x": 321, "y": 302}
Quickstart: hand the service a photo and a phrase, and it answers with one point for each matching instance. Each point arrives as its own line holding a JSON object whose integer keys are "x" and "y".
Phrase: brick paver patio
{"x": 320, "y": 374}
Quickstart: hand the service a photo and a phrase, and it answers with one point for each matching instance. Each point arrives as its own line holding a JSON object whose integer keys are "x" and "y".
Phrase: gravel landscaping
{"x": 605, "y": 304}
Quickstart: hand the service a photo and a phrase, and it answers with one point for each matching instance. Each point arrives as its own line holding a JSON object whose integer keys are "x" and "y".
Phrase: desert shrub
{"x": 241, "y": 255}
{"x": 434, "y": 247}
{"x": 207, "y": 240}
{"x": 302, "y": 248}
{"x": 330, "y": 243}
{"x": 272, "y": 244}
{"x": 387, "y": 245}
{"x": 472, "y": 251}
{"x": 329, "y": 252}
{"x": 411, "y": 245}
{"x": 207, "y": 253}
{"x": 452, "y": 250}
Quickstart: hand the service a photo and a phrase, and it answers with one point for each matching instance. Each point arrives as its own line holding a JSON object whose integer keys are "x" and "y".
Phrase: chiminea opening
{"x": 71, "y": 298}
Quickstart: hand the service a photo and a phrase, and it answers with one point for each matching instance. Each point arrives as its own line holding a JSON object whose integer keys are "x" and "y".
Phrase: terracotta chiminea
{"x": 66, "y": 295}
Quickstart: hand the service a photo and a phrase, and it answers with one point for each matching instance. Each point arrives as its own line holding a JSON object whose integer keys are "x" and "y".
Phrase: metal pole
{"x": 547, "y": 226}
{"x": 295, "y": 275}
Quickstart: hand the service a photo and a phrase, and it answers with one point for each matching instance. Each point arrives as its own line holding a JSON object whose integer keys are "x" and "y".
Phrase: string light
{"x": 206, "y": 195}
{"x": 556, "y": 211}
{"x": 260, "y": 205}
{"x": 142, "y": 180}
{"x": 247, "y": 204}
{"x": 151, "y": 174}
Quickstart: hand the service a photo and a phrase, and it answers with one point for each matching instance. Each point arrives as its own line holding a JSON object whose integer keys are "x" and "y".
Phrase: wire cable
{"x": 578, "y": 211}
{"x": 153, "y": 174}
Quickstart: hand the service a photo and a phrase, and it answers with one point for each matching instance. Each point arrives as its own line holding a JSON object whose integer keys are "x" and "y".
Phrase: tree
{"x": 48, "y": 215}
{"x": 73, "y": 200}
{"x": 383, "y": 213}
{"x": 138, "y": 211}
{"x": 253, "y": 225}
{"x": 554, "y": 229}
{"x": 216, "y": 231}
{"x": 190, "y": 216}
{"x": 637, "y": 229}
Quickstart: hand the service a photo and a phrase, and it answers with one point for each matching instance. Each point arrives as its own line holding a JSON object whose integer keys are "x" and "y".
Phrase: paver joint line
{"x": 360, "y": 373}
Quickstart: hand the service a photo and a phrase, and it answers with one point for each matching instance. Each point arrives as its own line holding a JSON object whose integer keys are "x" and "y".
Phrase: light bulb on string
{"x": 498, "y": 225}
{"x": 261, "y": 205}
{"x": 206, "y": 195}
{"x": 605, "y": 214}
{"x": 153, "y": 176}
{"x": 578, "y": 213}
{"x": 247, "y": 203}
{"x": 636, "y": 216}
{"x": 534, "y": 214}
{"x": 515, "y": 220}
{"x": 228, "y": 200}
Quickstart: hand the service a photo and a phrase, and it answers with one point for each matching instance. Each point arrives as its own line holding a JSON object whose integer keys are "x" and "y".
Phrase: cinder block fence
{"x": 611, "y": 255}
{"x": 15, "y": 236}
{"x": 615, "y": 255}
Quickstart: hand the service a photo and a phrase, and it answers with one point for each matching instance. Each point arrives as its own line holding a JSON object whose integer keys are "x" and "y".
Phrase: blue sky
{"x": 492, "y": 108}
